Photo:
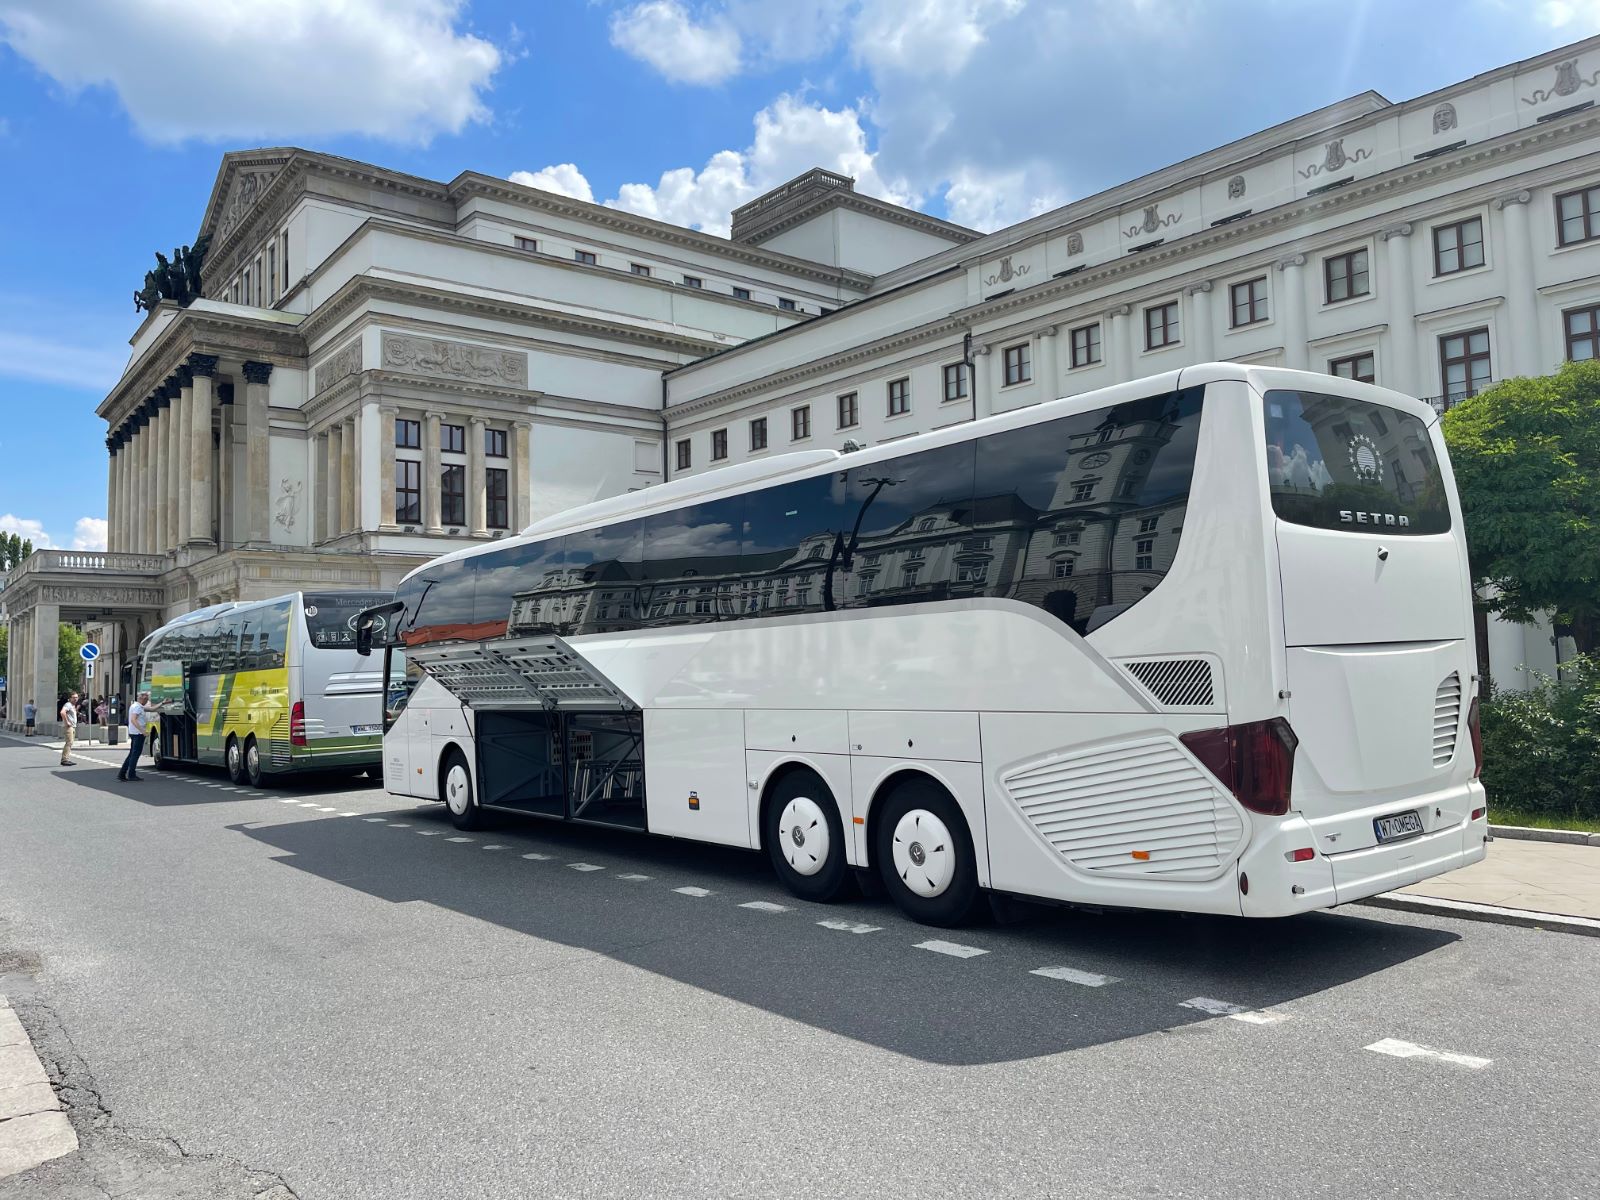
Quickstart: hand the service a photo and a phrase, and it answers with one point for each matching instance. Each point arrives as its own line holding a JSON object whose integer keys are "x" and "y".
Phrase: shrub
{"x": 1541, "y": 747}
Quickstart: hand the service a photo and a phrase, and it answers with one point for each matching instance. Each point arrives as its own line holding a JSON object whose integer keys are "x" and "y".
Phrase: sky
{"x": 114, "y": 115}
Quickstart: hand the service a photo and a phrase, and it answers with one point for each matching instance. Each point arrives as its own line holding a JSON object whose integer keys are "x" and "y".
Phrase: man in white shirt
{"x": 136, "y": 726}
{"x": 69, "y": 729}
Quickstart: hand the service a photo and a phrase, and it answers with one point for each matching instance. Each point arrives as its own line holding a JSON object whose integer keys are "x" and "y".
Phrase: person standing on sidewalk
{"x": 69, "y": 729}
{"x": 136, "y": 724}
{"x": 30, "y": 714}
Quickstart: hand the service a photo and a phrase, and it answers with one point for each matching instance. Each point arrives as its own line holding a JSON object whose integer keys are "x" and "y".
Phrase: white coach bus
{"x": 1201, "y": 642}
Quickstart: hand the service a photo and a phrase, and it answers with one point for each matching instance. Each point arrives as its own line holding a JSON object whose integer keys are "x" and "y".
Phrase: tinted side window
{"x": 513, "y": 588}
{"x": 439, "y": 603}
{"x": 909, "y": 521}
{"x": 792, "y": 547}
{"x": 692, "y": 564}
{"x": 1083, "y": 514}
{"x": 600, "y": 575}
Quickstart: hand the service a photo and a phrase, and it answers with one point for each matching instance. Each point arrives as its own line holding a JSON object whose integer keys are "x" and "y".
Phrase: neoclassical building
{"x": 382, "y": 367}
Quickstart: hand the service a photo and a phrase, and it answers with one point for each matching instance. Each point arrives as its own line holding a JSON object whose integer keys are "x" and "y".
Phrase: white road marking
{"x": 1399, "y": 1049}
{"x": 429, "y": 832}
{"x": 370, "y": 819}
{"x": 1069, "y": 975}
{"x": 953, "y": 949}
{"x": 633, "y": 878}
{"x": 460, "y": 839}
{"x": 398, "y": 825}
{"x": 349, "y": 814}
{"x": 582, "y": 866}
{"x": 1238, "y": 1012}
{"x": 693, "y": 891}
{"x": 286, "y": 800}
{"x": 319, "y": 808}
{"x": 494, "y": 847}
{"x": 538, "y": 857}
{"x": 765, "y": 906}
{"x": 848, "y": 926}
{"x": 306, "y": 803}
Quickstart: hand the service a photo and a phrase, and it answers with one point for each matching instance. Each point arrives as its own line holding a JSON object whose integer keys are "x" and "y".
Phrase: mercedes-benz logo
{"x": 799, "y": 836}
{"x": 918, "y": 854}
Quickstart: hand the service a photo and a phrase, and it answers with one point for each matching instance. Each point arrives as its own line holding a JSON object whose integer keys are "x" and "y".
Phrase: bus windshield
{"x": 331, "y": 618}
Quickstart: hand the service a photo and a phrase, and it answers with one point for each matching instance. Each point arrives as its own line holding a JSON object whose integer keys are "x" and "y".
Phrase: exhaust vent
{"x": 1446, "y": 719}
{"x": 1175, "y": 682}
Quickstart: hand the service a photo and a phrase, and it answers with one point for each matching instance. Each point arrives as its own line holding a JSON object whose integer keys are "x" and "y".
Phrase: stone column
{"x": 385, "y": 453}
{"x": 477, "y": 516}
{"x": 521, "y": 476}
{"x": 160, "y": 473}
{"x": 180, "y": 398}
{"x": 257, "y": 443}
{"x": 1523, "y": 355}
{"x": 1049, "y": 376}
{"x": 201, "y": 479}
{"x": 333, "y": 501}
{"x": 319, "y": 492}
{"x": 111, "y": 495}
{"x": 431, "y": 470}
{"x": 45, "y": 645}
{"x": 227, "y": 477}
{"x": 1401, "y": 373}
{"x": 1292, "y": 300}
{"x": 1200, "y": 337}
{"x": 982, "y": 383}
{"x": 369, "y": 468}
{"x": 141, "y": 483}
{"x": 1120, "y": 335}
{"x": 347, "y": 468}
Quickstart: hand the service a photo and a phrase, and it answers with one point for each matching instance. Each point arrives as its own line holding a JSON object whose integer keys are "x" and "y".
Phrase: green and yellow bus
{"x": 266, "y": 687}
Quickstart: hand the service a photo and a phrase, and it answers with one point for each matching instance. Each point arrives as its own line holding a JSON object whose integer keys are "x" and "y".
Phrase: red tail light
{"x": 297, "y": 724}
{"x": 1254, "y": 761}
{"x": 1477, "y": 738}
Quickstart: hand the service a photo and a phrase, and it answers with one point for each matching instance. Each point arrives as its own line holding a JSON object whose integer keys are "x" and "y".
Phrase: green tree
{"x": 13, "y": 549}
{"x": 1526, "y": 454}
{"x": 69, "y": 664}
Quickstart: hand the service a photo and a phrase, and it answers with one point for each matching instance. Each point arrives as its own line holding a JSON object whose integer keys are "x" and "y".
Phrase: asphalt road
{"x": 326, "y": 991}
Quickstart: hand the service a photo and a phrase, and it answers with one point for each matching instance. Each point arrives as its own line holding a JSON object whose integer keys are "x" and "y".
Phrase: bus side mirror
{"x": 369, "y": 621}
{"x": 364, "y": 634}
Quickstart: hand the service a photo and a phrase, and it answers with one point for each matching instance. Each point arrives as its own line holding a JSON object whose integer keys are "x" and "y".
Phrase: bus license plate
{"x": 1401, "y": 825}
{"x": 366, "y": 729}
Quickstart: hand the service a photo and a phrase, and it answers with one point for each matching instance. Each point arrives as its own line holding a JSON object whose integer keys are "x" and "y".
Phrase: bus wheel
{"x": 924, "y": 854}
{"x": 157, "y": 757}
{"x": 805, "y": 837}
{"x": 234, "y": 755}
{"x": 252, "y": 763}
{"x": 455, "y": 789}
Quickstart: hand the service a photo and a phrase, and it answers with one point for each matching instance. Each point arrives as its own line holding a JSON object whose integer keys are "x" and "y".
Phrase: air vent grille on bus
{"x": 1143, "y": 809}
{"x": 1175, "y": 681}
{"x": 1446, "y": 719}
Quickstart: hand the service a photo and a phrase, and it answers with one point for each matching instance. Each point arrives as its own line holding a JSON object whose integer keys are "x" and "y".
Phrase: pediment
{"x": 242, "y": 181}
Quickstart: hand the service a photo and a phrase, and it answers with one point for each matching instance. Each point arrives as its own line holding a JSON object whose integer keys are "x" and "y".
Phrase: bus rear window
{"x": 1334, "y": 462}
{"x": 331, "y": 617}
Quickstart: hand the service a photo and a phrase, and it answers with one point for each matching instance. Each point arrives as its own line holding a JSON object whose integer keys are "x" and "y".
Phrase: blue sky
{"x": 113, "y": 114}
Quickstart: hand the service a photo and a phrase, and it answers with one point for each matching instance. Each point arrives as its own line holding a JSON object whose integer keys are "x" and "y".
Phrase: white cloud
{"x": 989, "y": 200}
{"x": 925, "y": 37}
{"x": 27, "y": 528}
{"x": 1578, "y": 17}
{"x": 44, "y": 358}
{"x": 89, "y": 534}
{"x": 564, "y": 179}
{"x": 663, "y": 34}
{"x": 240, "y": 69}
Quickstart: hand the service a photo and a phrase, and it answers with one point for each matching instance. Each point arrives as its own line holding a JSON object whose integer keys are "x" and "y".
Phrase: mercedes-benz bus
{"x": 265, "y": 688}
{"x": 1200, "y": 642}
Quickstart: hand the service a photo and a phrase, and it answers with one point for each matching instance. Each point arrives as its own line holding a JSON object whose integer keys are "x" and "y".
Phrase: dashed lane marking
{"x": 1238, "y": 1012}
{"x": 429, "y": 832}
{"x": 693, "y": 891}
{"x": 953, "y": 949}
{"x": 1398, "y": 1049}
{"x": 849, "y": 926}
{"x": 349, "y": 814}
{"x": 369, "y": 820}
{"x": 766, "y": 906}
{"x": 321, "y": 809}
{"x": 634, "y": 878}
{"x": 1070, "y": 975}
{"x": 286, "y": 800}
{"x": 461, "y": 839}
{"x": 583, "y": 866}
{"x": 496, "y": 846}
{"x": 537, "y": 857}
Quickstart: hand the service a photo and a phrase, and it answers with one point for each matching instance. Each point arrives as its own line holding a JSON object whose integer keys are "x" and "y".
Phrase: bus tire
{"x": 254, "y": 773}
{"x": 157, "y": 758}
{"x": 233, "y": 758}
{"x": 924, "y": 853}
{"x": 455, "y": 789}
{"x": 805, "y": 837}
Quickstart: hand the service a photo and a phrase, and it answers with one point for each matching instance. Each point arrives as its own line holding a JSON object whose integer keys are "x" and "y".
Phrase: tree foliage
{"x": 1541, "y": 747}
{"x": 69, "y": 663}
{"x": 13, "y": 549}
{"x": 1526, "y": 454}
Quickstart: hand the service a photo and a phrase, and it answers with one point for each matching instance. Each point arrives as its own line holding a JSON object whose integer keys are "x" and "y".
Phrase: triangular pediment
{"x": 243, "y": 179}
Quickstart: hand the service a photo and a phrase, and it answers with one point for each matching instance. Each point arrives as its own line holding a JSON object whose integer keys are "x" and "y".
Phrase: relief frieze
{"x": 454, "y": 360}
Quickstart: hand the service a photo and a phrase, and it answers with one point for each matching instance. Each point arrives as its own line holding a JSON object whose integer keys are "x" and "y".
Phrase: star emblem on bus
{"x": 1364, "y": 460}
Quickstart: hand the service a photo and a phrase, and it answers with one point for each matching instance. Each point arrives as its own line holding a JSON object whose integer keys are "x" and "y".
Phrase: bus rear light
{"x": 297, "y": 724}
{"x": 1476, "y": 731}
{"x": 1254, "y": 761}
{"x": 1304, "y": 854}
{"x": 1478, "y": 814}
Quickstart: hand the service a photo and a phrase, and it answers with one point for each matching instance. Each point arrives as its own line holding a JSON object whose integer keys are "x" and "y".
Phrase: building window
{"x": 1458, "y": 247}
{"x": 719, "y": 445}
{"x": 1345, "y": 276}
{"x": 1464, "y": 363}
{"x": 899, "y": 397}
{"x": 407, "y": 492}
{"x": 1018, "y": 363}
{"x": 639, "y": 269}
{"x": 246, "y": 294}
{"x": 786, "y": 304}
{"x": 1083, "y": 491}
{"x": 955, "y": 381}
{"x": 1148, "y": 524}
{"x": 1248, "y": 301}
{"x": 1067, "y": 537}
{"x": 494, "y": 443}
{"x": 693, "y": 281}
{"x": 497, "y": 498}
{"x": 849, "y": 411}
{"x": 283, "y": 256}
{"x": 909, "y": 573}
{"x": 1086, "y": 345}
{"x": 1359, "y": 367}
{"x": 531, "y": 245}
{"x": 1578, "y": 216}
{"x": 260, "y": 282}
{"x": 1161, "y": 326}
{"x": 1583, "y": 333}
{"x": 741, "y": 293}
{"x": 272, "y": 270}
{"x": 758, "y": 434}
{"x": 408, "y": 434}
{"x": 1143, "y": 552}
{"x": 587, "y": 257}
{"x": 800, "y": 422}
{"x": 453, "y": 495}
{"x": 1065, "y": 567}
{"x": 453, "y": 439}
{"x": 973, "y": 572}
{"x": 683, "y": 454}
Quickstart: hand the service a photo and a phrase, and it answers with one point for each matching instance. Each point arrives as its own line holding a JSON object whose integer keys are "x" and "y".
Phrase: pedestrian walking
{"x": 69, "y": 729}
{"x": 136, "y": 724}
{"x": 30, "y": 713}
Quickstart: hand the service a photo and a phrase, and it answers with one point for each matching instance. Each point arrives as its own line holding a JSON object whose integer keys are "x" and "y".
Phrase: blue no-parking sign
{"x": 89, "y": 651}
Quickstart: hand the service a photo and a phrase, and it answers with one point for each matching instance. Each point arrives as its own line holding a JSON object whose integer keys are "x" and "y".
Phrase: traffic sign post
{"x": 89, "y": 651}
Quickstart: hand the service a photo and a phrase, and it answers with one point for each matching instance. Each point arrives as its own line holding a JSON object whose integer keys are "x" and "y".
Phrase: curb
{"x": 33, "y": 1129}
{"x": 1526, "y": 918}
{"x": 1527, "y": 833}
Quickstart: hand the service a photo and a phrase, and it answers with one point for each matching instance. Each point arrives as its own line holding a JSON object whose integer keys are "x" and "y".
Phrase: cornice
{"x": 872, "y": 207}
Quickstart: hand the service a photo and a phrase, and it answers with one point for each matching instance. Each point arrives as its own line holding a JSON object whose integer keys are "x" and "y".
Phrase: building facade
{"x": 382, "y": 367}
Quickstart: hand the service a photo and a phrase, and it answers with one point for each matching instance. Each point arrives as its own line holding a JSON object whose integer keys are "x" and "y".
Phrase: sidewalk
{"x": 1545, "y": 877}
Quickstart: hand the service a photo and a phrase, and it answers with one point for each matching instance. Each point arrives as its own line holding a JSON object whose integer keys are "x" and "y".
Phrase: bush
{"x": 1541, "y": 748}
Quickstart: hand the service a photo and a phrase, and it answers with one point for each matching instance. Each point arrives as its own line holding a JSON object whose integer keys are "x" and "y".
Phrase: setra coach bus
{"x": 1201, "y": 642}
